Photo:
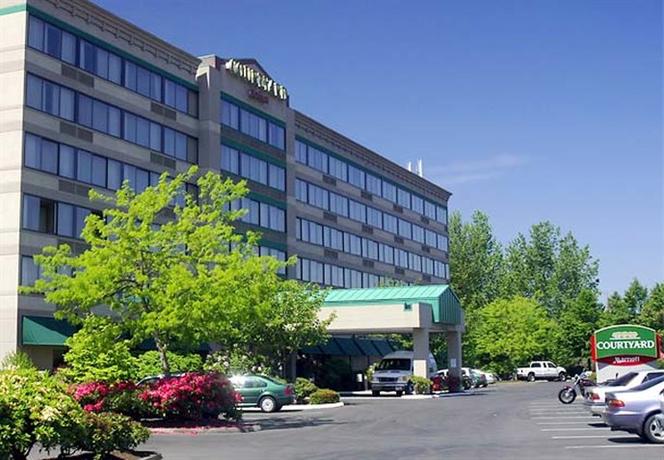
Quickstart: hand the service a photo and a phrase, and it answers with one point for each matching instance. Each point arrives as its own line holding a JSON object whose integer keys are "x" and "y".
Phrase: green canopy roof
{"x": 42, "y": 330}
{"x": 445, "y": 304}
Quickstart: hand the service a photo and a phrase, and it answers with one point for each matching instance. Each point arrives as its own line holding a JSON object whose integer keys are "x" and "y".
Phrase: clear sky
{"x": 529, "y": 110}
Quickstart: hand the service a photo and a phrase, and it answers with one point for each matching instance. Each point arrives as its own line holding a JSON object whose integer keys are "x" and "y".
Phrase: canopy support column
{"x": 421, "y": 352}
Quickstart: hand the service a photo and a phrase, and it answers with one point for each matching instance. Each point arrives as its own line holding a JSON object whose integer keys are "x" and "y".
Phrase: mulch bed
{"x": 132, "y": 455}
{"x": 159, "y": 426}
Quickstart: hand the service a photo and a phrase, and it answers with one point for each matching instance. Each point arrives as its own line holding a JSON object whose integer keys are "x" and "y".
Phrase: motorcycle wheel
{"x": 567, "y": 395}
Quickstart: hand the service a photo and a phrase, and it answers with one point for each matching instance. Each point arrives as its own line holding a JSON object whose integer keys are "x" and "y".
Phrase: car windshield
{"x": 648, "y": 384}
{"x": 622, "y": 381}
{"x": 394, "y": 365}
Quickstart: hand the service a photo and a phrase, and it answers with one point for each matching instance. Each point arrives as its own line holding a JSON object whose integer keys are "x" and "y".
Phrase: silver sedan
{"x": 637, "y": 410}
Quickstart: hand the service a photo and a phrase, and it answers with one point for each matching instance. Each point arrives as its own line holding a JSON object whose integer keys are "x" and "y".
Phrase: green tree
{"x": 511, "y": 332}
{"x": 578, "y": 320}
{"x": 635, "y": 296}
{"x": 617, "y": 311}
{"x": 550, "y": 268}
{"x": 98, "y": 352}
{"x": 475, "y": 260}
{"x": 178, "y": 274}
{"x": 652, "y": 313}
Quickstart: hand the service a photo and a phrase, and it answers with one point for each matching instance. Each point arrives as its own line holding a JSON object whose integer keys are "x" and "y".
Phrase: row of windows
{"x": 78, "y": 52}
{"x": 247, "y": 166}
{"x": 346, "y": 207}
{"x": 329, "y": 237}
{"x": 328, "y": 164}
{"x": 53, "y": 217}
{"x": 261, "y": 214}
{"x": 68, "y": 104}
{"x": 31, "y": 272}
{"x": 67, "y": 161}
{"x": 336, "y": 276}
{"x": 252, "y": 124}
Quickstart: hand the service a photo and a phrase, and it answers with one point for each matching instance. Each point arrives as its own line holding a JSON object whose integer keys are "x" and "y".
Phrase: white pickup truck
{"x": 541, "y": 370}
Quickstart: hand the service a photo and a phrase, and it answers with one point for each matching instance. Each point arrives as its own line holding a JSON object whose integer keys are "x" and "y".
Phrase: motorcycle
{"x": 581, "y": 382}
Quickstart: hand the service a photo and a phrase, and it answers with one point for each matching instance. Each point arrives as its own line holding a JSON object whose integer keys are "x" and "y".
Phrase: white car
{"x": 394, "y": 372}
{"x": 595, "y": 401}
{"x": 490, "y": 378}
{"x": 541, "y": 370}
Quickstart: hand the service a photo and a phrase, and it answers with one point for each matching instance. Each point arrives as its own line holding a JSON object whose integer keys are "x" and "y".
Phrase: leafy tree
{"x": 178, "y": 274}
{"x": 635, "y": 296}
{"x": 652, "y": 313}
{"x": 577, "y": 321}
{"x": 511, "y": 332}
{"x": 617, "y": 311}
{"x": 98, "y": 352}
{"x": 545, "y": 266}
{"x": 475, "y": 260}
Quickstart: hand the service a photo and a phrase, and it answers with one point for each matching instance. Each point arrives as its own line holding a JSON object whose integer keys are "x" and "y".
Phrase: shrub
{"x": 97, "y": 353}
{"x": 106, "y": 432}
{"x": 304, "y": 388}
{"x": 149, "y": 363}
{"x": 422, "y": 384}
{"x": 17, "y": 360}
{"x": 324, "y": 396}
{"x": 192, "y": 396}
{"x": 35, "y": 408}
{"x": 122, "y": 398}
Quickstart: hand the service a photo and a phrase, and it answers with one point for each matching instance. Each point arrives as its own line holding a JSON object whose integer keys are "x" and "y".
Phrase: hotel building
{"x": 88, "y": 100}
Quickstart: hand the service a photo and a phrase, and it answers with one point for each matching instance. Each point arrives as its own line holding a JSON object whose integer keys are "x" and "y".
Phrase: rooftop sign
{"x": 256, "y": 78}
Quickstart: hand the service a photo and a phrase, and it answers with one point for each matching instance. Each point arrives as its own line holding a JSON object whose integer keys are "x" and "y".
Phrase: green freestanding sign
{"x": 625, "y": 340}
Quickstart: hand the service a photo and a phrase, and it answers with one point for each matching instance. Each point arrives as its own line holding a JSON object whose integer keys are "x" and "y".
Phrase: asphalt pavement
{"x": 504, "y": 421}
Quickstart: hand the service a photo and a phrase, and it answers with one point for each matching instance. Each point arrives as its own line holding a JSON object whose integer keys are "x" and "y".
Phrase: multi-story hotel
{"x": 90, "y": 100}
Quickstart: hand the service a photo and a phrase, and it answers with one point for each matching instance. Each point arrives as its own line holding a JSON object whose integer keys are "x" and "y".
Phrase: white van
{"x": 394, "y": 372}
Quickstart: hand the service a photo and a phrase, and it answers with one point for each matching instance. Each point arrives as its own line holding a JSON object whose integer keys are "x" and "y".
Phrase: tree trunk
{"x": 162, "y": 348}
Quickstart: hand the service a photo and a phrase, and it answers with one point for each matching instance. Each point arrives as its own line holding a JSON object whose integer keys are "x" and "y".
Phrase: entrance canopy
{"x": 393, "y": 309}
{"x": 43, "y": 330}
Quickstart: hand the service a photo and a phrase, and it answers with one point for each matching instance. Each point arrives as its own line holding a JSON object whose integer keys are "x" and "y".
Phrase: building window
{"x": 252, "y": 124}
{"x": 30, "y": 271}
{"x": 66, "y": 161}
{"x": 103, "y": 63}
{"x": 356, "y": 176}
{"x": 247, "y": 166}
{"x": 338, "y": 169}
{"x": 357, "y": 211}
{"x": 100, "y": 116}
{"x": 261, "y": 214}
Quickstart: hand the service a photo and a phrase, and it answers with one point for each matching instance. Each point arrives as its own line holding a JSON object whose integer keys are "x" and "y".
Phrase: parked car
{"x": 262, "y": 391}
{"x": 637, "y": 410}
{"x": 479, "y": 378}
{"x": 596, "y": 402}
{"x": 466, "y": 380}
{"x": 490, "y": 378}
{"x": 541, "y": 370}
{"x": 155, "y": 378}
{"x": 394, "y": 372}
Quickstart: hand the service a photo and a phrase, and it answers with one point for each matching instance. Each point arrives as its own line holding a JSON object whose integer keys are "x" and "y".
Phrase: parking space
{"x": 572, "y": 427}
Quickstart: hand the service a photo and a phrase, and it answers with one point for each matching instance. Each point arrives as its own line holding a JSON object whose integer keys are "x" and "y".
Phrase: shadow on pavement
{"x": 285, "y": 423}
{"x": 627, "y": 439}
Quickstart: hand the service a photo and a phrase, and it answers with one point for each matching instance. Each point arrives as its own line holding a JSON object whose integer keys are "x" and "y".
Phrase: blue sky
{"x": 528, "y": 110}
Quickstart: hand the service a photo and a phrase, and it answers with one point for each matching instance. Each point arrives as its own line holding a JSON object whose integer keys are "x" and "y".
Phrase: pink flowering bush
{"x": 192, "y": 396}
{"x": 121, "y": 397}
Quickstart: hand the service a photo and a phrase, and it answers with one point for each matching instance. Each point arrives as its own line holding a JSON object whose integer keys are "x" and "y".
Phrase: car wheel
{"x": 375, "y": 393}
{"x": 562, "y": 376}
{"x": 531, "y": 377}
{"x": 267, "y": 404}
{"x": 399, "y": 393}
{"x": 653, "y": 428}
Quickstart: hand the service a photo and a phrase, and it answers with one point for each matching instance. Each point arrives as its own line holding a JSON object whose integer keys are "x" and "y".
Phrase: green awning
{"x": 43, "y": 330}
{"x": 444, "y": 303}
{"x": 331, "y": 348}
{"x": 348, "y": 346}
{"x": 367, "y": 347}
{"x": 383, "y": 346}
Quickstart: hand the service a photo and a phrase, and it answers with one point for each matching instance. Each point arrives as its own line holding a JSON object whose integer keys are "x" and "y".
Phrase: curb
{"x": 194, "y": 431}
{"x": 299, "y": 407}
{"x": 154, "y": 456}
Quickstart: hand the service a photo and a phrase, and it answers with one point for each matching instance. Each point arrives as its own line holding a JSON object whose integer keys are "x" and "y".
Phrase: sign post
{"x": 624, "y": 348}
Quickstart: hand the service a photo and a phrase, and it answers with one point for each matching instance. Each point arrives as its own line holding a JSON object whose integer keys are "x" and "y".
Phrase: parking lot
{"x": 504, "y": 421}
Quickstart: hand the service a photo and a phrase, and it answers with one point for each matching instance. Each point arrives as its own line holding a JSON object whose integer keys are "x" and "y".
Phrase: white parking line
{"x": 590, "y": 428}
{"x": 615, "y": 446}
{"x": 560, "y": 423}
{"x": 579, "y": 437}
{"x": 587, "y": 417}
